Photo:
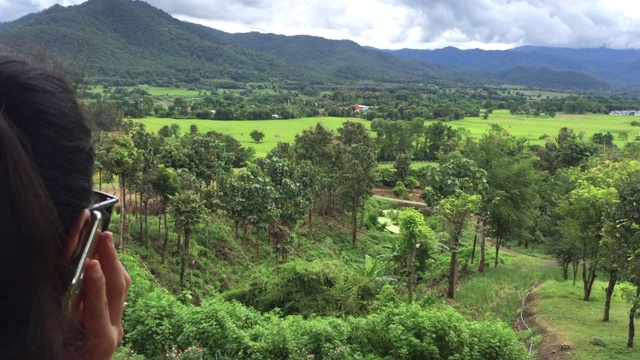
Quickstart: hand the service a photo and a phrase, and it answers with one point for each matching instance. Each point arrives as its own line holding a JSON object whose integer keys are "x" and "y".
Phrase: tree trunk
{"x": 498, "y": 243}
{"x": 482, "y": 254}
{"x": 632, "y": 315}
{"x": 575, "y": 264}
{"x": 354, "y": 221}
{"x": 565, "y": 271}
{"x": 166, "y": 239}
{"x": 185, "y": 254}
{"x": 588, "y": 278}
{"x": 146, "y": 221}
{"x": 166, "y": 229}
{"x": 206, "y": 227}
{"x": 613, "y": 278}
{"x": 453, "y": 267}
{"x": 123, "y": 212}
{"x": 141, "y": 220}
{"x": 179, "y": 231}
{"x": 99, "y": 180}
{"x": 245, "y": 227}
{"x": 473, "y": 251}
{"x": 412, "y": 271}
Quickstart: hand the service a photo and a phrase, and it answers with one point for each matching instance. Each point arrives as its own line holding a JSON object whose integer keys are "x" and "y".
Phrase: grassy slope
{"x": 275, "y": 130}
{"x": 534, "y": 127}
{"x": 578, "y": 321}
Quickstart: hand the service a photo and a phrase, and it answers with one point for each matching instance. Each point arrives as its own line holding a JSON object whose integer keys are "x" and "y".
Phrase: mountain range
{"x": 124, "y": 42}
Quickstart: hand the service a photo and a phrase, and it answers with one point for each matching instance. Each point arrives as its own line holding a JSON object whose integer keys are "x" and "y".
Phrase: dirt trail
{"x": 400, "y": 201}
{"x": 553, "y": 344}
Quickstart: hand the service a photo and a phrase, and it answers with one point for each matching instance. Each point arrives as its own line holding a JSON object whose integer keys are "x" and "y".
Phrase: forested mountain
{"x": 123, "y": 41}
{"x": 344, "y": 58}
{"x": 620, "y": 66}
{"x": 126, "y": 42}
{"x": 130, "y": 42}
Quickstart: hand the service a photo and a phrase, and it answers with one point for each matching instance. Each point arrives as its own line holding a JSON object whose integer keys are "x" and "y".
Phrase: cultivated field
{"x": 534, "y": 127}
{"x": 531, "y": 128}
{"x": 154, "y": 90}
{"x": 274, "y": 130}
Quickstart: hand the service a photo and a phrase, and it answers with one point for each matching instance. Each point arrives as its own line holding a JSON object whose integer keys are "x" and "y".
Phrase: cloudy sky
{"x": 423, "y": 24}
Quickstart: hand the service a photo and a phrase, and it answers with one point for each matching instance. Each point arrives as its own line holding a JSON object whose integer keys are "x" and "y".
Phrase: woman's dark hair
{"x": 46, "y": 168}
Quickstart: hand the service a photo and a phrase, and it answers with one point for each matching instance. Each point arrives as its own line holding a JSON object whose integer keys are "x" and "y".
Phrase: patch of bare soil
{"x": 553, "y": 345}
{"x": 388, "y": 193}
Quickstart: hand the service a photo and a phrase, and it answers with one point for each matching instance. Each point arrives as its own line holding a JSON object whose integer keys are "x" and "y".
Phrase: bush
{"x": 400, "y": 190}
{"x": 384, "y": 176}
{"x": 153, "y": 322}
{"x": 309, "y": 288}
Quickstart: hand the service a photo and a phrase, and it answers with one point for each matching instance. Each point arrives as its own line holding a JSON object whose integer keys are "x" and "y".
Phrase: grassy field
{"x": 154, "y": 90}
{"x": 561, "y": 307}
{"x": 534, "y": 127}
{"x": 275, "y": 130}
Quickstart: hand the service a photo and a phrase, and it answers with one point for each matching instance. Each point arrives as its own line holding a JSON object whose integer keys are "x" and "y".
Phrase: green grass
{"x": 275, "y": 130}
{"x": 579, "y": 321}
{"x": 497, "y": 293}
{"x": 154, "y": 90}
{"x": 534, "y": 127}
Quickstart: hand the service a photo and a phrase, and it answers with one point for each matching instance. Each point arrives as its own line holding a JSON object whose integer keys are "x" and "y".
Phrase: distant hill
{"x": 343, "y": 58}
{"x": 607, "y": 65}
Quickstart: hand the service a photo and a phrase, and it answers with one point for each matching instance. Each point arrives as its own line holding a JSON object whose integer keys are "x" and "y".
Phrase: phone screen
{"x": 84, "y": 251}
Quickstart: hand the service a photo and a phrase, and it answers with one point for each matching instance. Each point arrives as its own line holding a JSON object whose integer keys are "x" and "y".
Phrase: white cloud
{"x": 489, "y": 24}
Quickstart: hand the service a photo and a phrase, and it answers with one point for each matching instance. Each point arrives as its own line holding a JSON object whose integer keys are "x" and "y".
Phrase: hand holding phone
{"x": 104, "y": 291}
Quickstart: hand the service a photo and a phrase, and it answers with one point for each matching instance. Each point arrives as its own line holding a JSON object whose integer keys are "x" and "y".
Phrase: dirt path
{"x": 552, "y": 345}
{"x": 402, "y": 202}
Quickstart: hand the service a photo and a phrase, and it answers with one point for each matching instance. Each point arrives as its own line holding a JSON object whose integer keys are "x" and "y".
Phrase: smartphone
{"x": 88, "y": 237}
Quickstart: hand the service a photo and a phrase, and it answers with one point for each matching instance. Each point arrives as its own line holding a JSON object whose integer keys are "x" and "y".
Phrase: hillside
{"x": 343, "y": 58}
{"x": 607, "y": 65}
{"x": 128, "y": 42}
{"x": 124, "y": 42}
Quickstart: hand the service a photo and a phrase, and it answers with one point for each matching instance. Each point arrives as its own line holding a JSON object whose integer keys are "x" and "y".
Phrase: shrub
{"x": 308, "y": 288}
{"x": 152, "y": 323}
{"x": 400, "y": 190}
{"x": 494, "y": 341}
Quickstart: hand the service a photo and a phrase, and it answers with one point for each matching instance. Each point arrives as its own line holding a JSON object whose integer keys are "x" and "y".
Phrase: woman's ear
{"x": 83, "y": 219}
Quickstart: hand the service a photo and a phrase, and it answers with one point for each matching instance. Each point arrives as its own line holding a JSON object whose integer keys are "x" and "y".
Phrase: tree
{"x": 402, "y": 167}
{"x": 120, "y": 157}
{"x": 356, "y": 177}
{"x": 585, "y": 212}
{"x": 164, "y": 184}
{"x": 257, "y": 136}
{"x": 188, "y": 211}
{"x": 415, "y": 235}
{"x": 626, "y": 237}
{"x": 456, "y": 211}
{"x": 356, "y": 181}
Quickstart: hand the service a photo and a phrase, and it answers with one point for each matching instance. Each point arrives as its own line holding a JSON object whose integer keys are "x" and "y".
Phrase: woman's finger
{"x": 100, "y": 334}
{"x": 116, "y": 279}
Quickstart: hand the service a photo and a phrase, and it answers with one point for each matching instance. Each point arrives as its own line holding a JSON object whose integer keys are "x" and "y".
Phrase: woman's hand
{"x": 104, "y": 291}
